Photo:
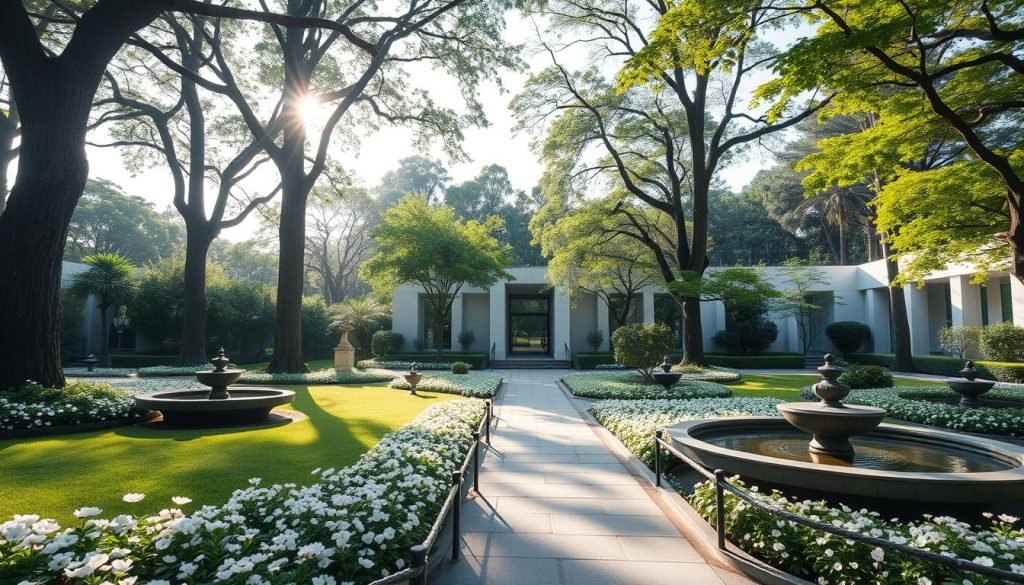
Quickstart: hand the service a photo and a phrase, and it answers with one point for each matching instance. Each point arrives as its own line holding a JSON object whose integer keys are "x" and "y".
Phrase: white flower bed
{"x": 820, "y": 556}
{"x": 473, "y": 384}
{"x": 353, "y": 526}
{"x": 99, "y": 373}
{"x": 629, "y": 386}
{"x": 912, "y": 403}
{"x": 139, "y": 386}
{"x": 153, "y": 371}
{"x": 34, "y": 407}
{"x": 634, "y": 421}
{"x": 405, "y": 365}
{"x": 692, "y": 373}
{"x": 329, "y": 376}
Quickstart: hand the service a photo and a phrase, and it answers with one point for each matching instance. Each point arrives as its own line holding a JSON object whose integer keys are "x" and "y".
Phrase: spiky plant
{"x": 110, "y": 278}
{"x": 357, "y": 314}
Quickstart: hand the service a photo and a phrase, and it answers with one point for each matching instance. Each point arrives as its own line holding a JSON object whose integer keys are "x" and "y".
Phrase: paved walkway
{"x": 559, "y": 509}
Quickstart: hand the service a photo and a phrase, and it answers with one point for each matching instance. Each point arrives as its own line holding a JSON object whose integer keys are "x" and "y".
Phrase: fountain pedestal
{"x": 830, "y": 422}
{"x": 968, "y": 388}
{"x": 345, "y": 353}
{"x": 666, "y": 377}
{"x": 413, "y": 378}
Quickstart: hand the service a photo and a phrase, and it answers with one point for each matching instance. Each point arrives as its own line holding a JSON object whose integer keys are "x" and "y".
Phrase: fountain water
{"x": 215, "y": 407}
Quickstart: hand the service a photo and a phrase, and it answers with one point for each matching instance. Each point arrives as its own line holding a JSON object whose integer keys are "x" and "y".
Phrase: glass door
{"x": 529, "y": 320}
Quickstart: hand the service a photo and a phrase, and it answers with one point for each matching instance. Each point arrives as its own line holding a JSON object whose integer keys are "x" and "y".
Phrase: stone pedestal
{"x": 345, "y": 353}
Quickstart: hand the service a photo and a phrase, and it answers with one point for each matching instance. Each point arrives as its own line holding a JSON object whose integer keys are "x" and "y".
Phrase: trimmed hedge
{"x": 941, "y": 365}
{"x": 766, "y": 361}
{"x": 133, "y": 360}
{"x": 477, "y": 360}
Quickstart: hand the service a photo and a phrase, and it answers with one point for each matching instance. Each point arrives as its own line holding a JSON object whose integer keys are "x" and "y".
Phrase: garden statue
{"x": 413, "y": 378}
{"x": 345, "y": 353}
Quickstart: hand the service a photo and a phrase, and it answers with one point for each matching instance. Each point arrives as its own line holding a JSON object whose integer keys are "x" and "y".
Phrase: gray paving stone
{"x": 500, "y": 571}
{"x": 674, "y": 549}
{"x": 601, "y": 572}
{"x": 608, "y": 525}
{"x": 543, "y": 546}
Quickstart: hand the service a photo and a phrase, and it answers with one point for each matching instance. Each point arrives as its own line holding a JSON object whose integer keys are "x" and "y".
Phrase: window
{"x": 430, "y": 331}
{"x": 667, "y": 311}
{"x": 617, "y": 303}
{"x": 984, "y": 305}
{"x": 1007, "y": 301}
{"x": 949, "y": 304}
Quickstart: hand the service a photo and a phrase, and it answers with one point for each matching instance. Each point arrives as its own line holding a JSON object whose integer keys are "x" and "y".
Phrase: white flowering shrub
{"x": 152, "y": 371}
{"x": 630, "y": 386}
{"x": 328, "y": 376}
{"x": 98, "y": 373}
{"x": 473, "y": 384}
{"x": 354, "y": 525}
{"x": 405, "y": 364}
{"x": 32, "y": 406}
{"x": 634, "y": 421}
{"x": 709, "y": 374}
{"x": 919, "y": 404}
{"x": 826, "y": 558}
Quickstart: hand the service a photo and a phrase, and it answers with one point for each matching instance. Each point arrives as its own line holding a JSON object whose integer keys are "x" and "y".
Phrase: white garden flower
{"x": 87, "y": 512}
{"x": 181, "y": 500}
{"x": 133, "y": 498}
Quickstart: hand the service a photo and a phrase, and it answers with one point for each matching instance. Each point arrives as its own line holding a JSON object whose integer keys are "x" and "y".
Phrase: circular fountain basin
{"x": 667, "y": 379}
{"x": 970, "y": 390}
{"x": 194, "y": 408}
{"x": 831, "y": 426}
{"x": 892, "y": 462}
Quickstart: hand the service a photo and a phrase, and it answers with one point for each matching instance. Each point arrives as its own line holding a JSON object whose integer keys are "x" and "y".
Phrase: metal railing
{"x": 722, "y": 486}
{"x": 494, "y": 351}
{"x": 416, "y": 574}
{"x": 568, "y": 356}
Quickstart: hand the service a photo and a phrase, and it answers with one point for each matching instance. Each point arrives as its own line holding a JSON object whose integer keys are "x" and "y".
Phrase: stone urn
{"x": 666, "y": 377}
{"x": 968, "y": 388}
{"x": 90, "y": 362}
{"x": 344, "y": 353}
{"x": 413, "y": 378}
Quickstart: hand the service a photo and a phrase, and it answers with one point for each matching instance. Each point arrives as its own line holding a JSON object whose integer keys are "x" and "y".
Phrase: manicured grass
{"x": 787, "y": 386}
{"x": 52, "y": 476}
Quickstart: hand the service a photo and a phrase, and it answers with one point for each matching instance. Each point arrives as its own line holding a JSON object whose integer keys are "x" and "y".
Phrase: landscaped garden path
{"x": 557, "y": 507}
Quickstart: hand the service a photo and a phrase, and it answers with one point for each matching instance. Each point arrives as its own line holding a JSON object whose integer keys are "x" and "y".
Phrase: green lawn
{"x": 787, "y": 386}
{"x": 52, "y": 476}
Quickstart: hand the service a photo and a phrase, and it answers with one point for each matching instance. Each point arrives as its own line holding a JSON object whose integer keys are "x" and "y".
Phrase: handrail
{"x": 416, "y": 574}
{"x": 722, "y": 485}
{"x": 567, "y": 355}
{"x": 494, "y": 349}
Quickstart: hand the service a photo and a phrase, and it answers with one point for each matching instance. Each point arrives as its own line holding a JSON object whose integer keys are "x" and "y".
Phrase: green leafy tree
{"x": 111, "y": 279}
{"x": 359, "y": 315}
{"x": 957, "y": 59}
{"x": 431, "y": 248}
{"x": 250, "y": 260}
{"x": 108, "y": 221}
{"x": 339, "y": 222}
{"x": 656, "y": 133}
{"x": 642, "y": 346}
{"x": 960, "y": 340}
{"x": 799, "y": 300}
{"x": 744, "y": 233}
{"x": 415, "y": 175}
{"x": 589, "y": 254}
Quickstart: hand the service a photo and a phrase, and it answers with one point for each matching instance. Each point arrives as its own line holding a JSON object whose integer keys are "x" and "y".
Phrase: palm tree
{"x": 357, "y": 314}
{"x": 110, "y": 278}
{"x": 836, "y": 207}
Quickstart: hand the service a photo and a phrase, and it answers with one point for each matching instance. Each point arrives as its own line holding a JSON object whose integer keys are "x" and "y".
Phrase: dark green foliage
{"x": 848, "y": 336}
{"x": 595, "y": 339}
{"x": 317, "y": 337}
{"x": 72, "y": 313}
{"x": 747, "y": 329}
{"x": 764, "y": 361}
{"x": 1003, "y": 342}
{"x": 642, "y": 346}
{"x": 866, "y": 377}
{"x": 386, "y": 343}
{"x": 466, "y": 339}
{"x": 460, "y": 368}
{"x": 948, "y": 366}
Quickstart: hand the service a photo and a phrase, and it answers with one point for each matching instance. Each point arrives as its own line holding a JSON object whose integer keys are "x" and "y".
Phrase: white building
{"x": 526, "y": 318}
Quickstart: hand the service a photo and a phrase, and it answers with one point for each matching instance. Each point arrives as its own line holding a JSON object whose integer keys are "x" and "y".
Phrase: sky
{"x": 380, "y": 151}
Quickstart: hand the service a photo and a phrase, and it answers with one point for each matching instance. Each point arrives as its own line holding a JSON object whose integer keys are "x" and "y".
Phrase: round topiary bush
{"x": 866, "y": 377}
{"x": 848, "y": 336}
{"x": 642, "y": 346}
{"x": 460, "y": 368}
{"x": 1003, "y": 342}
{"x": 386, "y": 343}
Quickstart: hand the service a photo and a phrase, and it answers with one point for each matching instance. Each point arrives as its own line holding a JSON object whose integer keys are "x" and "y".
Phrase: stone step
{"x": 539, "y": 364}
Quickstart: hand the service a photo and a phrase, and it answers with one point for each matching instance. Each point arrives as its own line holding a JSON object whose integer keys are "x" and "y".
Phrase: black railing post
{"x": 720, "y": 507}
{"x": 456, "y": 509}
{"x": 476, "y": 462}
{"x": 657, "y": 458}
{"x": 487, "y": 426}
{"x": 419, "y": 561}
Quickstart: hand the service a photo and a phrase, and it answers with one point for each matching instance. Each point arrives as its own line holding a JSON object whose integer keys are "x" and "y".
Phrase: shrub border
{"x": 99, "y": 425}
{"x": 764, "y": 361}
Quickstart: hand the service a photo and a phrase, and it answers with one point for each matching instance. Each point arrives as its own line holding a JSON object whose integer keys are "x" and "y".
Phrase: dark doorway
{"x": 529, "y": 324}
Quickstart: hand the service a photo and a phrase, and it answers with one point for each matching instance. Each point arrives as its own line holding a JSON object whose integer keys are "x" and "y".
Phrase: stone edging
{"x": 74, "y": 429}
{"x": 700, "y": 534}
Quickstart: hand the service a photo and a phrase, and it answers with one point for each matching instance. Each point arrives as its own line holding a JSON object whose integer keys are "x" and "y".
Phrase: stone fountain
{"x": 666, "y": 377}
{"x": 852, "y": 454}
{"x": 830, "y": 422}
{"x": 243, "y": 405}
{"x": 968, "y": 388}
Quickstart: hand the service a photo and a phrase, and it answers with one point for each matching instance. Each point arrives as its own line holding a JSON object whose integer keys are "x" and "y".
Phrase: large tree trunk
{"x": 902, "y": 360}
{"x": 693, "y": 333}
{"x": 292, "y": 235}
{"x": 8, "y": 129}
{"x": 193, "y": 327}
{"x": 52, "y": 172}
{"x": 843, "y": 257}
{"x": 1015, "y": 235}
